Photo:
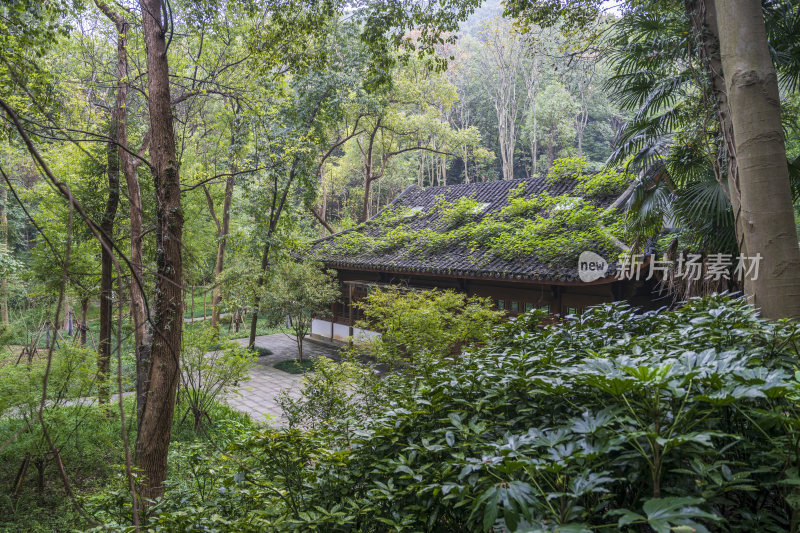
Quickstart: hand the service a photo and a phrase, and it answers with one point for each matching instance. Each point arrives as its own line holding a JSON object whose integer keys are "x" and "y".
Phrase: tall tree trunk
{"x": 766, "y": 200}
{"x": 369, "y": 175}
{"x": 262, "y": 276}
{"x": 534, "y": 141}
{"x": 216, "y": 294}
{"x": 83, "y": 328}
{"x": 153, "y": 437}
{"x": 225, "y": 223}
{"x": 3, "y": 247}
{"x": 703, "y": 17}
{"x": 106, "y": 259}
{"x": 278, "y": 203}
{"x": 129, "y": 166}
{"x": 323, "y": 208}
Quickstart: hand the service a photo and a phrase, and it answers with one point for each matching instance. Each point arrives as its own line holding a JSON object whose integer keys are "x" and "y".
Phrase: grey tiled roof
{"x": 456, "y": 260}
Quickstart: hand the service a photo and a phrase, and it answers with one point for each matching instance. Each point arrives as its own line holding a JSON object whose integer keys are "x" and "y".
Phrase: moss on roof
{"x": 522, "y": 229}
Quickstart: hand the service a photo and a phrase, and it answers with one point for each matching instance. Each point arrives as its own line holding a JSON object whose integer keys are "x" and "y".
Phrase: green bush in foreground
{"x": 612, "y": 421}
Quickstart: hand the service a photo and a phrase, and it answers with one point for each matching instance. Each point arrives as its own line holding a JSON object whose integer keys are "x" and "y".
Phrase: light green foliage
{"x": 607, "y": 182}
{"x": 335, "y": 396}
{"x": 550, "y": 229}
{"x": 572, "y": 225}
{"x": 299, "y": 291}
{"x": 209, "y": 369}
{"x": 421, "y": 325}
{"x": 72, "y": 374}
{"x": 459, "y": 212}
{"x": 567, "y": 168}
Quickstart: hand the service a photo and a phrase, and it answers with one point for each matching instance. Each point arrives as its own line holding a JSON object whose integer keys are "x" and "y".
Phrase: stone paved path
{"x": 258, "y": 395}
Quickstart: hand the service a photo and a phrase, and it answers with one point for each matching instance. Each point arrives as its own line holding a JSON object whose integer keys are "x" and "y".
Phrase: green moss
{"x": 550, "y": 229}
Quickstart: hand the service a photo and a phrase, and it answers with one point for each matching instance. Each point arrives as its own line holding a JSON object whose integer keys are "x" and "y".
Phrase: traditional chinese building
{"x": 517, "y": 242}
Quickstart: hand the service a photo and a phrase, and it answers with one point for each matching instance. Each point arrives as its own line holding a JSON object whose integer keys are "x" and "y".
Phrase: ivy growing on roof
{"x": 552, "y": 229}
{"x": 607, "y": 182}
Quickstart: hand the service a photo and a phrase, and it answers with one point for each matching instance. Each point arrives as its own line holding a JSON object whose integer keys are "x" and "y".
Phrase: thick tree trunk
{"x": 153, "y": 437}
{"x": 703, "y": 16}
{"x": 3, "y": 246}
{"x": 767, "y": 215}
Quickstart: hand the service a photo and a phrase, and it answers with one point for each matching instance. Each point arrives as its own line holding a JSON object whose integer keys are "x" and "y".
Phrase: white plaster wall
{"x": 321, "y": 327}
{"x": 340, "y": 332}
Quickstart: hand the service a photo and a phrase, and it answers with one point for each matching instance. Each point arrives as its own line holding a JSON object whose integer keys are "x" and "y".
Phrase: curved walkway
{"x": 258, "y": 396}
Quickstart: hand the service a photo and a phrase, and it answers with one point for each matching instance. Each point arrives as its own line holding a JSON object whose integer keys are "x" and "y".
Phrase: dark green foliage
{"x": 261, "y": 351}
{"x": 295, "y": 367}
{"x": 678, "y": 421}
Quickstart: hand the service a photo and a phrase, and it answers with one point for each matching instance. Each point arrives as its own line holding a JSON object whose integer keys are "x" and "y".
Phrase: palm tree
{"x": 673, "y": 140}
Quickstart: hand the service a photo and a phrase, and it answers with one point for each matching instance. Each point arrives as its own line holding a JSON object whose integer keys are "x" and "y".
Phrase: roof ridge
{"x": 475, "y": 184}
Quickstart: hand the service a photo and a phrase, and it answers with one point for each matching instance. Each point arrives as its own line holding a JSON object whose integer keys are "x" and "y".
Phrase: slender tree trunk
{"x": 222, "y": 238}
{"x": 299, "y": 339}
{"x": 219, "y": 266}
{"x": 153, "y": 437}
{"x": 84, "y": 312}
{"x": 129, "y": 166}
{"x": 257, "y": 298}
{"x": 767, "y": 215}
{"x": 106, "y": 259}
{"x": 323, "y": 208}
{"x": 365, "y": 208}
{"x": 3, "y": 247}
{"x": 369, "y": 175}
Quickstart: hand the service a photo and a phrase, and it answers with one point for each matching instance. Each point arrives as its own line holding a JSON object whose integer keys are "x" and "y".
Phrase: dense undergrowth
{"x": 91, "y": 450}
{"x": 611, "y": 421}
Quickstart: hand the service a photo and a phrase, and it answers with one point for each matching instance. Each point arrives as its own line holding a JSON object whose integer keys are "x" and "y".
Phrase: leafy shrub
{"x": 209, "y": 368}
{"x": 336, "y": 396}
{"x": 419, "y": 325}
{"x": 611, "y": 421}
